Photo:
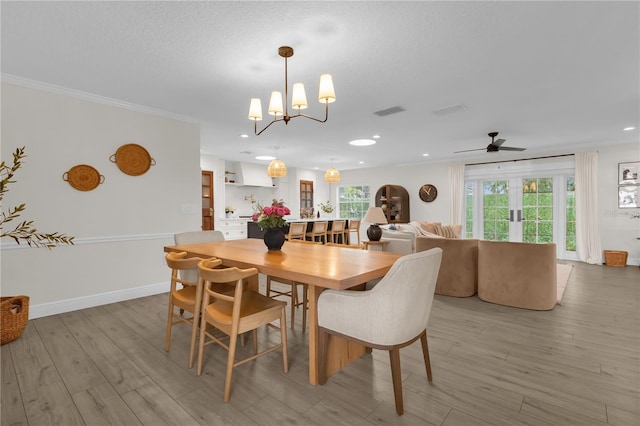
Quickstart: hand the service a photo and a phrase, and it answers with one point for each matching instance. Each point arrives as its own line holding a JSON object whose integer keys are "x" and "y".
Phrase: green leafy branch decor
{"x": 326, "y": 207}
{"x": 25, "y": 231}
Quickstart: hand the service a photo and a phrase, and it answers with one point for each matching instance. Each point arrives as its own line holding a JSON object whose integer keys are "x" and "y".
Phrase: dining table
{"x": 320, "y": 267}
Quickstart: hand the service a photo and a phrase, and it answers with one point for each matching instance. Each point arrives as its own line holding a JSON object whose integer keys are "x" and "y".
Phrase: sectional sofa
{"x": 521, "y": 275}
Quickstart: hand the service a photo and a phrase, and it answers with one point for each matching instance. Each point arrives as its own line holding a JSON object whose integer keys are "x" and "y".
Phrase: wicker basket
{"x": 615, "y": 258}
{"x": 14, "y": 314}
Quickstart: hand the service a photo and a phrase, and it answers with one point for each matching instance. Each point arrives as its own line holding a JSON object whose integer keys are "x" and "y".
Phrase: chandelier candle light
{"x": 326, "y": 95}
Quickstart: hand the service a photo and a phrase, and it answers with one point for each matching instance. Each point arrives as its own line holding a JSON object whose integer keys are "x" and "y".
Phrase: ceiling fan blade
{"x": 468, "y": 150}
{"x": 510, "y": 148}
{"x": 498, "y": 142}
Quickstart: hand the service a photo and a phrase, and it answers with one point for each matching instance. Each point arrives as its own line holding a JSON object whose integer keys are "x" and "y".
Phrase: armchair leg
{"x": 394, "y": 357}
{"x": 425, "y": 354}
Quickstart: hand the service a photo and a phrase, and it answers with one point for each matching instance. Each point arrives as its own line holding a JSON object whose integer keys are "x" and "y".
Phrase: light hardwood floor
{"x": 492, "y": 365}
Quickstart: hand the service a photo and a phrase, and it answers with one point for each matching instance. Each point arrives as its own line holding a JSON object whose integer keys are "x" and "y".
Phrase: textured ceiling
{"x": 549, "y": 76}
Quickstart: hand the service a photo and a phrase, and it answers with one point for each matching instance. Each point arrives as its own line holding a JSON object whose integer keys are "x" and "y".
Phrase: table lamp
{"x": 375, "y": 216}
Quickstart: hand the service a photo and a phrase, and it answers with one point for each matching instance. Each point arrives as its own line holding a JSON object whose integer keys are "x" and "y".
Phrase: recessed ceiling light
{"x": 629, "y": 128}
{"x": 244, "y": 135}
{"x": 426, "y": 154}
{"x": 362, "y": 142}
{"x": 376, "y": 136}
{"x": 360, "y": 162}
{"x": 265, "y": 157}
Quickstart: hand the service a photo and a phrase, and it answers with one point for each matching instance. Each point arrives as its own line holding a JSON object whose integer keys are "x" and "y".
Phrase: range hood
{"x": 253, "y": 175}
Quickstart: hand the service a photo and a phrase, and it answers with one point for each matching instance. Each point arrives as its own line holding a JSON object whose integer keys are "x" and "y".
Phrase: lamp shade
{"x": 332, "y": 175}
{"x": 326, "y": 94}
{"x": 277, "y": 169}
{"x": 255, "y": 109}
{"x": 275, "y": 104}
{"x": 375, "y": 215}
{"x": 299, "y": 97}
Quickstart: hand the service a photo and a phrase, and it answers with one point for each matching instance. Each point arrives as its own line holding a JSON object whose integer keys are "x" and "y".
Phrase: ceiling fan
{"x": 494, "y": 146}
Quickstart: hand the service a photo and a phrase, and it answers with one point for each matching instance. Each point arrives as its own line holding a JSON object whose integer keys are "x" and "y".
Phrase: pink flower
{"x": 255, "y": 217}
{"x": 280, "y": 211}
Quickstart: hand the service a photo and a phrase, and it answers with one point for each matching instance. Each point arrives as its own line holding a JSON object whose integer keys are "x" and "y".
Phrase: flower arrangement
{"x": 271, "y": 216}
{"x": 229, "y": 209}
{"x": 326, "y": 207}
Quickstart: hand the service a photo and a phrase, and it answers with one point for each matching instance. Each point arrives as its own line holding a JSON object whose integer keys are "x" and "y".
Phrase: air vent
{"x": 389, "y": 111}
{"x": 450, "y": 109}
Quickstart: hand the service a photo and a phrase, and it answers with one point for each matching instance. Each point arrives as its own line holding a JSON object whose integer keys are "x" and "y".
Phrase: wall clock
{"x": 428, "y": 193}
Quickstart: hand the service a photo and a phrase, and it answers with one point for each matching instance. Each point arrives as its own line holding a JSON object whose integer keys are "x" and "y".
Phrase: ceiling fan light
{"x": 276, "y": 169}
{"x": 299, "y": 97}
{"x": 275, "y": 104}
{"x": 255, "y": 109}
{"x": 332, "y": 175}
{"x": 326, "y": 93}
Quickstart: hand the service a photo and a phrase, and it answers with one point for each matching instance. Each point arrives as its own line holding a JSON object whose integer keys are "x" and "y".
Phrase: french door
{"x": 533, "y": 209}
{"x": 518, "y": 209}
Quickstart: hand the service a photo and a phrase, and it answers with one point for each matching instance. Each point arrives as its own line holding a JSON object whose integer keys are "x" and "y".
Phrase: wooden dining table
{"x": 321, "y": 267}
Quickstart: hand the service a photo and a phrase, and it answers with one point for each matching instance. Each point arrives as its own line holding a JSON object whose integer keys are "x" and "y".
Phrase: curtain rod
{"x": 521, "y": 159}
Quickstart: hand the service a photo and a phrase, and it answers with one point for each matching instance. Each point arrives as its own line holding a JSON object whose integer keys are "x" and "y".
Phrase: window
{"x": 353, "y": 201}
{"x": 570, "y": 244}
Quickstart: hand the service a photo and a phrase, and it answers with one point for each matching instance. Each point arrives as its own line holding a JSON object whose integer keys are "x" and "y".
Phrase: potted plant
{"x": 229, "y": 211}
{"x": 14, "y": 310}
{"x": 271, "y": 219}
{"x": 326, "y": 208}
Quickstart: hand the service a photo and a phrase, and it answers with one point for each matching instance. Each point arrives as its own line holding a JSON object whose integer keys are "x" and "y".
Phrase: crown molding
{"x": 78, "y": 94}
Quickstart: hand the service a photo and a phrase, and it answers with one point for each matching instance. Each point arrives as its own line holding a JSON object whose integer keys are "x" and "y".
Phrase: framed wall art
{"x": 628, "y": 196}
{"x": 628, "y": 173}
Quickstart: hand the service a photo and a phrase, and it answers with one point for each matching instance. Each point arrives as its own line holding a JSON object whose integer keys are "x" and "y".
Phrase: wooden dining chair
{"x": 354, "y": 226}
{"x": 390, "y": 316}
{"x": 337, "y": 230}
{"x": 292, "y": 293}
{"x": 233, "y": 314}
{"x": 297, "y": 231}
{"x": 318, "y": 231}
{"x": 187, "y": 298}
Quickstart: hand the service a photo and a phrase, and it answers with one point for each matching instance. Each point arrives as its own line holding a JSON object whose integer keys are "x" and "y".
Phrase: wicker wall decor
{"x": 83, "y": 177}
{"x": 132, "y": 159}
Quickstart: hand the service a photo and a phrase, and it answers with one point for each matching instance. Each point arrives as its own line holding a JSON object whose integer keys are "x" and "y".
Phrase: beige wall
{"x": 121, "y": 226}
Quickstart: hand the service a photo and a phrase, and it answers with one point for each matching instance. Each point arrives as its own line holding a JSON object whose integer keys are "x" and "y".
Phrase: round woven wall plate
{"x": 132, "y": 159}
{"x": 83, "y": 177}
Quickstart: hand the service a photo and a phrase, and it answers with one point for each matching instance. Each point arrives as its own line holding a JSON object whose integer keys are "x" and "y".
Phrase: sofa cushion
{"x": 448, "y": 231}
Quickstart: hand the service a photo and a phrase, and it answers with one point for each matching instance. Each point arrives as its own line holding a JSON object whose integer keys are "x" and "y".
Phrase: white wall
{"x": 411, "y": 178}
{"x": 617, "y": 230}
{"x": 121, "y": 226}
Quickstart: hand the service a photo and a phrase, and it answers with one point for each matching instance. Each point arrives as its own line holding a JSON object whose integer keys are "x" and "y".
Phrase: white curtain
{"x": 587, "y": 233}
{"x": 456, "y": 189}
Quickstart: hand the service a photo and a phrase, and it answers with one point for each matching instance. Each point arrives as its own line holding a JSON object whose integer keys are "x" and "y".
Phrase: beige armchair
{"x": 522, "y": 275}
{"x": 390, "y": 316}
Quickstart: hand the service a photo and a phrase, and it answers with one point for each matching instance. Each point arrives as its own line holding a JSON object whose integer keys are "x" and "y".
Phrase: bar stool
{"x": 338, "y": 228}
{"x": 318, "y": 231}
{"x": 354, "y": 226}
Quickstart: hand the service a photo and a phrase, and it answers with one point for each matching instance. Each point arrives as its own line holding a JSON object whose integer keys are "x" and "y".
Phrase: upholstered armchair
{"x": 390, "y": 316}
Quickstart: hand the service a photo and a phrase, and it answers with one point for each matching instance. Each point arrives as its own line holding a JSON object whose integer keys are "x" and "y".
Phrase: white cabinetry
{"x": 233, "y": 229}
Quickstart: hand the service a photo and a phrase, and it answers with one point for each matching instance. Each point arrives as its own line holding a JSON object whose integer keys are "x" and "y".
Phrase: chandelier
{"x": 326, "y": 95}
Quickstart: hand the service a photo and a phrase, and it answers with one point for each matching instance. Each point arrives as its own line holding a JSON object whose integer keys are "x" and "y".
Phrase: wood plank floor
{"x": 493, "y": 365}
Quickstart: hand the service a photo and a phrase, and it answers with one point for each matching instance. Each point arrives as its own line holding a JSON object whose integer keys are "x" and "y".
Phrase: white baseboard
{"x": 59, "y": 307}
